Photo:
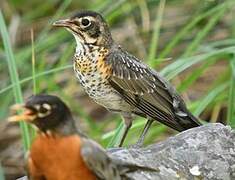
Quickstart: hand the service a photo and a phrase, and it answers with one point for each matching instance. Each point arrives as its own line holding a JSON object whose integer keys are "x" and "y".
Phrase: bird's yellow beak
{"x": 63, "y": 23}
{"x": 25, "y": 114}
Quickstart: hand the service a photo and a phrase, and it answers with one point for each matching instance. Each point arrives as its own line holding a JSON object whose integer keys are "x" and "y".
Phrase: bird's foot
{"x": 136, "y": 146}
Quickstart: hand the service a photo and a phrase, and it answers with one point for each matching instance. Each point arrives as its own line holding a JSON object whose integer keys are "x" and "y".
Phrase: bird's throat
{"x": 79, "y": 45}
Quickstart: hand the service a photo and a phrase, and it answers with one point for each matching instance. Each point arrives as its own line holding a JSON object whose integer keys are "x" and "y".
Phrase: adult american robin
{"x": 62, "y": 152}
{"x": 119, "y": 81}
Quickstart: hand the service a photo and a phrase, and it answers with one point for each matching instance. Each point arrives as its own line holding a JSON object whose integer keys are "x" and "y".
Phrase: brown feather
{"x": 146, "y": 90}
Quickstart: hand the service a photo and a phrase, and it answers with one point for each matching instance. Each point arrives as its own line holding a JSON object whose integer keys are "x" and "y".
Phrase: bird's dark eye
{"x": 44, "y": 108}
{"x": 85, "y": 22}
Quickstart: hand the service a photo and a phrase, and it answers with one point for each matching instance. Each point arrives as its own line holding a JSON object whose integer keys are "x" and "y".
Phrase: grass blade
{"x": 181, "y": 64}
{"x": 231, "y": 100}
{"x": 181, "y": 34}
{"x": 195, "y": 75}
{"x": 156, "y": 33}
{"x": 209, "y": 98}
{"x": 1, "y": 173}
{"x": 58, "y": 13}
{"x": 116, "y": 136}
{"x": 33, "y": 63}
{"x": 31, "y": 129}
{"x": 14, "y": 78}
{"x": 202, "y": 34}
{"x": 54, "y": 70}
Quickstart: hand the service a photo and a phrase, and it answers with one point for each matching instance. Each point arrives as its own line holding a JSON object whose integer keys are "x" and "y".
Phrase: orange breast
{"x": 104, "y": 69}
{"x": 58, "y": 158}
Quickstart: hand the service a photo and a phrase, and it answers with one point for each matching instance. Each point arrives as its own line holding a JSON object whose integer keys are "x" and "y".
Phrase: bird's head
{"x": 88, "y": 27}
{"x": 46, "y": 112}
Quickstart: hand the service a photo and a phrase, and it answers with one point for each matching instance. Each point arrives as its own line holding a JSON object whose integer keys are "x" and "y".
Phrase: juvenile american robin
{"x": 60, "y": 151}
{"x": 121, "y": 82}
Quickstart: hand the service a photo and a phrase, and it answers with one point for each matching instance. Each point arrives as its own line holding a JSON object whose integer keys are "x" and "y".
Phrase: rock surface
{"x": 206, "y": 152}
{"x": 202, "y": 153}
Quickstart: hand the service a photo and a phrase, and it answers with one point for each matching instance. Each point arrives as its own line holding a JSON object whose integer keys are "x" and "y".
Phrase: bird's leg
{"x": 142, "y": 136}
{"x": 127, "y": 118}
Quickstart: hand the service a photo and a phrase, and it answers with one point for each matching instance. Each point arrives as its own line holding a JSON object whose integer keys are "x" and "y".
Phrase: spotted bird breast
{"x": 93, "y": 74}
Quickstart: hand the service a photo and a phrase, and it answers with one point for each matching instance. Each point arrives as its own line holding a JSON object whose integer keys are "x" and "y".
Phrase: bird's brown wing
{"x": 98, "y": 161}
{"x": 145, "y": 89}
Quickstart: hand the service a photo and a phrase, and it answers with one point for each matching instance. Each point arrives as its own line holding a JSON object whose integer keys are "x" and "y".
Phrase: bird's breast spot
{"x": 83, "y": 67}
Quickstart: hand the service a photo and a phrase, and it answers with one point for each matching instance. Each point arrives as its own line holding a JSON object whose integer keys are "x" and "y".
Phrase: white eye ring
{"x": 42, "y": 115}
{"x": 85, "y": 22}
{"x": 37, "y": 106}
{"x": 46, "y": 106}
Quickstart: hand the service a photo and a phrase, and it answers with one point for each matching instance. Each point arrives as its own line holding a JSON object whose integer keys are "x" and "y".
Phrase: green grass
{"x": 156, "y": 33}
{"x": 33, "y": 63}
{"x": 14, "y": 78}
{"x": 231, "y": 99}
{"x": 1, "y": 173}
{"x": 203, "y": 32}
{"x": 189, "y": 26}
{"x": 170, "y": 71}
{"x": 48, "y": 59}
{"x": 211, "y": 96}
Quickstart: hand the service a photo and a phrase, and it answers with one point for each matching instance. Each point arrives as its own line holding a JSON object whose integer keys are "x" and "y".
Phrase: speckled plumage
{"x": 121, "y": 82}
{"x": 93, "y": 74}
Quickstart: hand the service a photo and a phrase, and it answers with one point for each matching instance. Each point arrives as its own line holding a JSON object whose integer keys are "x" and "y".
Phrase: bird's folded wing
{"x": 145, "y": 89}
{"x": 98, "y": 161}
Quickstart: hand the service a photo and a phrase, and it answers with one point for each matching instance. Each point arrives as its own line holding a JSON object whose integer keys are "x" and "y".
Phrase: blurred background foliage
{"x": 190, "y": 42}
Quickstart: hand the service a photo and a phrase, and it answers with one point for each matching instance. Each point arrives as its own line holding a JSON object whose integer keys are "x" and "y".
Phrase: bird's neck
{"x": 65, "y": 128}
{"x": 83, "y": 49}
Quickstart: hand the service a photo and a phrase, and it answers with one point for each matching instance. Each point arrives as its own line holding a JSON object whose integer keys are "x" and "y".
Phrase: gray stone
{"x": 202, "y": 153}
{"x": 206, "y": 152}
